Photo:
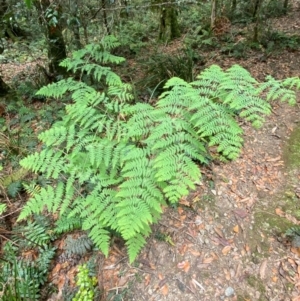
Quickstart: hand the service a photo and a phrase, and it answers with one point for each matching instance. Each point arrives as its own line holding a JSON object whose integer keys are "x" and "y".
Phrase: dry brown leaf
{"x": 165, "y": 290}
{"x": 195, "y": 253}
{"x": 273, "y": 159}
{"x": 295, "y": 251}
{"x": 184, "y": 265}
{"x": 147, "y": 279}
{"x": 262, "y": 269}
{"x": 180, "y": 210}
{"x": 182, "y": 217}
{"x": 236, "y": 229}
{"x": 219, "y": 232}
{"x": 123, "y": 280}
{"x": 226, "y": 250}
{"x": 56, "y": 269}
{"x": 182, "y": 249}
{"x": 184, "y": 203}
{"x": 240, "y": 213}
{"x": 227, "y": 274}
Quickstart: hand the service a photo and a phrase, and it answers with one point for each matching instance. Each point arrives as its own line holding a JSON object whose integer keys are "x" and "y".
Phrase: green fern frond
{"x": 47, "y": 197}
{"x": 292, "y": 82}
{"x": 134, "y": 245}
{"x": 57, "y": 90}
{"x": 48, "y": 161}
{"x": 79, "y": 245}
{"x": 2, "y": 208}
{"x": 100, "y": 238}
{"x": 276, "y": 89}
{"x": 66, "y": 224}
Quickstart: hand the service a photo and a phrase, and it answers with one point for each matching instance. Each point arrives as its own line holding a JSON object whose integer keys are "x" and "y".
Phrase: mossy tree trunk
{"x": 169, "y": 27}
{"x": 50, "y": 14}
{"x": 256, "y": 19}
{"x": 105, "y": 21}
{"x": 213, "y": 13}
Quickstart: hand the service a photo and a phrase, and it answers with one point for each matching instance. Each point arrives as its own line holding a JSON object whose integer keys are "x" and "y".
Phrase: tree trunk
{"x": 50, "y": 14}
{"x": 285, "y": 6}
{"x": 256, "y": 19}
{"x": 213, "y": 13}
{"x": 4, "y": 88}
{"x": 103, "y": 5}
{"x": 75, "y": 23}
{"x": 169, "y": 28}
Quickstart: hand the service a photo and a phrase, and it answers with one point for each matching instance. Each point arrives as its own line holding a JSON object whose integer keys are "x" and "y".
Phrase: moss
{"x": 243, "y": 297}
{"x": 258, "y": 285}
{"x": 291, "y": 153}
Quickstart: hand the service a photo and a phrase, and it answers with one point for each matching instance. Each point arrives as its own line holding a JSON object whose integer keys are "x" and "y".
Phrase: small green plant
{"x": 114, "y": 164}
{"x": 21, "y": 278}
{"x": 86, "y": 285}
{"x": 276, "y": 41}
{"x": 161, "y": 67}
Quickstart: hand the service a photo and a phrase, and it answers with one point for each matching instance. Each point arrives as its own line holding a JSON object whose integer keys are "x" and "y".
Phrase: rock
{"x": 229, "y": 291}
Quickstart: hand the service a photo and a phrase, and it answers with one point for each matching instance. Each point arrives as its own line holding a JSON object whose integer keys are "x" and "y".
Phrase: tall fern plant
{"x": 114, "y": 164}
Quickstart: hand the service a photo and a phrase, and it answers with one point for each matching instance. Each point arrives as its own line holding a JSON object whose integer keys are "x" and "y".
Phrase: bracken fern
{"x": 113, "y": 164}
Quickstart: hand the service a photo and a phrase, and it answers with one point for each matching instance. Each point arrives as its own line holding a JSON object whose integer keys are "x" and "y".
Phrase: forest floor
{"x": 225, "y": 241}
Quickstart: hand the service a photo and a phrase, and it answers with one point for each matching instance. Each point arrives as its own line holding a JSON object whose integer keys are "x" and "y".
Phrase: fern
{"x": 78, "y": 246}
{"x": 112, "y": 164}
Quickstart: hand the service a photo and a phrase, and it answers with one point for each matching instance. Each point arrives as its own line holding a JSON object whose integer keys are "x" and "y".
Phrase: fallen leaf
{"x": 184, "y": 265}
{"x": 56, "y": 269}
{"x": 147, "y": 279}
{"x": 240, "y": 213}
{"x": 295, "y": 250}
{"x": 182, "y": 249}
{"x": 165, "y": 290}
{"x": 273, "y": 159}
{"x": 219, "y": 232}
{"x": 182, "y": 217}
{"x": 262, "y": 269}
{"x": 180, "y": 210}
{"x": 226, "y": 250}
{"x": 236, "y": 229}
{"x": 123, "y": 280}
{"x": 227, "y": 274}
{"x": 195, "y": 253}
{"x": 274, "y": 129}
{"x": 184, "y": 203}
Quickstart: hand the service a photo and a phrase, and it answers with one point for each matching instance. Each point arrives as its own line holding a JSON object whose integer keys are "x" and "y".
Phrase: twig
{"x": 143, "y": 271}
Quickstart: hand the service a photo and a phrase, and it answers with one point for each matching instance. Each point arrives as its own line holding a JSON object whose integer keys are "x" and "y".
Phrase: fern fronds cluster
{"x": 112, "y": 164}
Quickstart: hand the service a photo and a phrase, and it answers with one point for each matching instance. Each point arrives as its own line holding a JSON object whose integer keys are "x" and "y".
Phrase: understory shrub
{"x": 113, "y": 164}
